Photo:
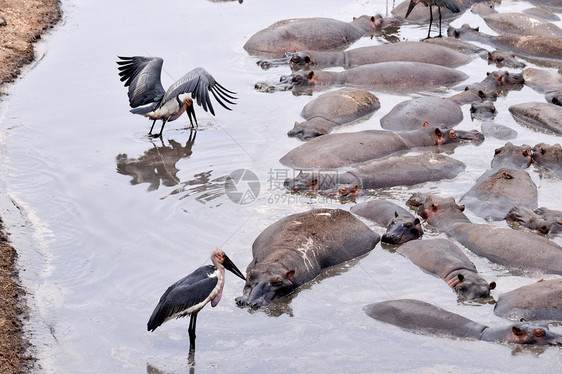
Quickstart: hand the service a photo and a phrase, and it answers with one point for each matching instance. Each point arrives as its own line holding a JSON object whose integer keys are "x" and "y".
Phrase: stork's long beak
{"x": 410, "y": 7}
{"x": 229, "y": 265}
{"x": 191, "y": 112}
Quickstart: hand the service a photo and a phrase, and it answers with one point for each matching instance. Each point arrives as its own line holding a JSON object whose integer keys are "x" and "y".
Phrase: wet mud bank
{"x": 22, "y": 23}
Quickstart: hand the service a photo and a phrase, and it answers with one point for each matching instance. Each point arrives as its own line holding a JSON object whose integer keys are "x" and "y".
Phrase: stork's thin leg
{"x": 439, "y": 22}
{"x": 150, "y": 132}
{"x": 430, "y": 21}
{"x": 191, "y": 331}
{"x": 161, "y": 129}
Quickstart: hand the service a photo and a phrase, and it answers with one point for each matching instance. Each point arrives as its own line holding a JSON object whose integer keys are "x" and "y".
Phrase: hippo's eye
{"x": 497, "y": 151}
{"x": 452, "y": 134}
{"x": 295, "y": 60}
{"x": 539, "y": 333}
{"x": 499, "y": 58}
{"x": 276, "y": 283}
{"x": 408, "y": 225}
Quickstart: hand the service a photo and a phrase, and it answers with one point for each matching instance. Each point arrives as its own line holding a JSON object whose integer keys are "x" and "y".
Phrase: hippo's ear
{"x": 460, "y": 277}
{"x": 435, "y": 207}
{"x": 310, "y": 75}
{"x": 492, "y": 285}
{"x": 438, "y": 133}
{"x": 517, "y": 331}
{"x": 461, "y": 208}
{"x": 522, "y": 320}
{"x": 417, "y": 221}
{"x": 290, "y": 274}
{"x": 395, "y": 214}
{"x": 355, "y": 189}
{"x": 452, "y": 134}
{"x": 307, "y": 59}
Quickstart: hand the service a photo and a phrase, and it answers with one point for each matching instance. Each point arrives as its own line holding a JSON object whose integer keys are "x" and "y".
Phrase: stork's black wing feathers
{"x": 142, "y": 76}
{"x": 199, "y": 82}
{"x": 183, "y": 294}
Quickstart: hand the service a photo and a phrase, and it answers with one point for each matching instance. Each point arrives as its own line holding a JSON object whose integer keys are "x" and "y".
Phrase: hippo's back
{"x": 337, "y": 150}
{"x": 412, "y": 114}
{"x": 380, "y": 211}
{"x": 421, "y": 317}
{"x": 341, "y": 106}
{"x": 437, "y": 256}
{"x": 325, "y": 236}
{"x": 298, "y": 34}
{"x": 541, "y": 301}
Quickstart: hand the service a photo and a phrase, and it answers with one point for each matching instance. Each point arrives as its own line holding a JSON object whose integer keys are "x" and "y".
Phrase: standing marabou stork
{"x": 190, "y": 294}
{"x": 449, "y": 4}
{"x": 142, "y": 76}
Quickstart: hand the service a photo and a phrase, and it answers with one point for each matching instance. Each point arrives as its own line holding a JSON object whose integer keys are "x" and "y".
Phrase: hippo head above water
{"x": 504, "y": 78}
{"x": 295, "y": 59}
{"x": 470, "y": 285}
{"x": 512, "y": 156}
{"x": 402, "y": 229}
{"x": 263, "y": 284}
{"x": 438, "y": 211}
{"x": 523, "y": 333}
{"x": 288, "y": 82}
{"x": 446, "y": 136}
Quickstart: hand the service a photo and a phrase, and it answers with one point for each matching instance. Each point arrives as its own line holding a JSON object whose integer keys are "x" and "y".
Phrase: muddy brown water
{"x": 100, "y": 241}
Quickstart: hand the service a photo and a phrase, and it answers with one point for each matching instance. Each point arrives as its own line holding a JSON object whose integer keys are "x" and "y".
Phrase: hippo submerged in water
{"x": 402, "y": 51}
{"x": 295, "y": 249}
{"x": 547, "y": 82}
{"x": 543, "y": 220}
{"x": 387, "y": 76}
{"x": 540, "y": 116}
{"x": 320, "y": 34}
{"x": 505, "y": 246}
{"x": 394, "y": 171}
{"x": 401, "y": 225}
{"x": 539, "y": 49}
{"x": 446, "y": 260}
{"x": 423, "y": 111}
{"x": 421, "y": 317}
{"x": 336, "y": 150}
{"x": 522, "y": 24}
{"x": 541, "y": 301}
{"x": 333, "y": 109}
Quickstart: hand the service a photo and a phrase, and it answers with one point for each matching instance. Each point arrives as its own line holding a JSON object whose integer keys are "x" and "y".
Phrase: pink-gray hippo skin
{"x": 549, "y": 157}
{"x": 443, "y": 258}
{"x": 542, "y": 13}
{"x": 547, "y": 82}
{"x": 319, "y": 34}
{"x": 394, "y": 171}
{"x": 522, "y": 24}
{"x": 512, "y": 156}
{"x": 553, "y": 5}
{"x": 483, "y": 111}
{"x": 495, "y": 130}
{"x": 386, "y": 76}
{"x": 538, "y": 49}
{"x": 544, "y": 117}
{"x": 401, "y": 51}
{"x": 401, "y": 226}
{"x": 295, "y": 249}
{"x": 514, "y": 249}
{"x": 504, "y": 59}
{"x": 421, "y": 317}
{"x": 336, "y": 150}
{"x": 423, "y": 111}
{"x": 543, "y": 220}
{"x": 540, "y": 301}
{"x": 333, "y": 109}
{"x": 495, "y": 83}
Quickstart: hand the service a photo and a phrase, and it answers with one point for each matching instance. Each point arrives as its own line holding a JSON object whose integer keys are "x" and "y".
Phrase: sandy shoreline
{"x": 22, "y": 23}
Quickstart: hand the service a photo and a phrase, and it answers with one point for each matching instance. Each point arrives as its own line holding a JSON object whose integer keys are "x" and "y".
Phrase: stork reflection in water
{"x": 148, "y": 98}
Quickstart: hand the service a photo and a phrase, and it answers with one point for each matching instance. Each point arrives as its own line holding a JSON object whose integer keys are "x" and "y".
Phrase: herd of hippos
{"x": 295, "y": 249}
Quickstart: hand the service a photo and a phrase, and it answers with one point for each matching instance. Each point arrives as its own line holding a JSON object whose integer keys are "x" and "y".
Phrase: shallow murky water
{"x": 105, "y": 218}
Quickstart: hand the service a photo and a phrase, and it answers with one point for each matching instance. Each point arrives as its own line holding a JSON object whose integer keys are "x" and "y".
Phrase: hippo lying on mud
{"x": 541, "y": 116}
{"x": 402, "y": 51}
{"x": 446, "y": 260}
{"x": 332, "y": 109}
{"x": 423, "y": 111}
{"x": 539, "y": 49}
{"x": 505, "y": 246}
{"x": 543, "y": 220}
{"x": 295, "y": 249}
{"x": 541, "y": 301}
{"x": 394, "y": 171}
{"x": 401, "y": 225}
{"x": 421, "y": 317}
{"x": 336, "y": 150}
{"x": 387, "y": 76}
{"x": 320, "y": 34}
